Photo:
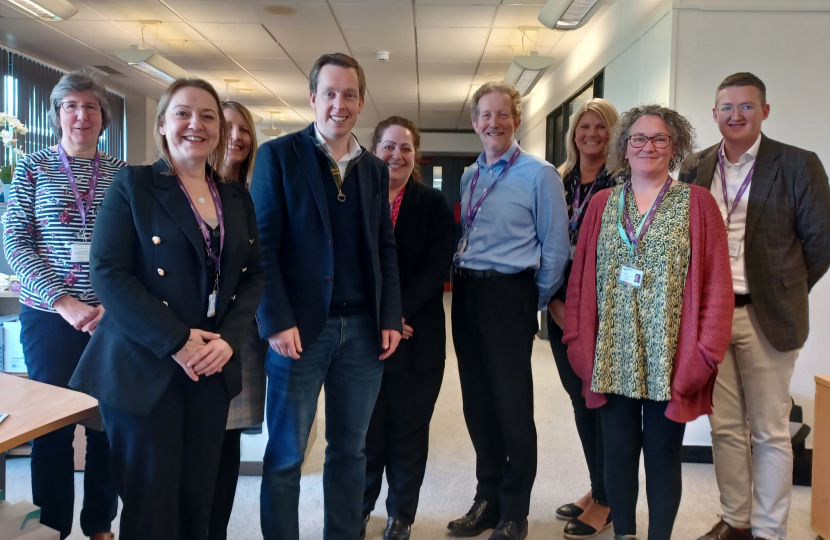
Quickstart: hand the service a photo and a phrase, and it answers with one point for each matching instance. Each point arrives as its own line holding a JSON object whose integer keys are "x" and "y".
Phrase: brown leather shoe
{"x": 102, "y": 536}
{"x": 725, "y": 531}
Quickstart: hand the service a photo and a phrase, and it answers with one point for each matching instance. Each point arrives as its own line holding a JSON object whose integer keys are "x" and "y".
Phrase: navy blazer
{"x": 425, "y": 234}
{"x": 292, "y": 212}
{"x": 149, "y": 269}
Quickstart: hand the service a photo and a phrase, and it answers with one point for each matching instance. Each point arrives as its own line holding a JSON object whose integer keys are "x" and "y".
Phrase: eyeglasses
{"x": 659, "y": 141}
{"x": 71, "y": 107}
{"x": 745, "y": 108}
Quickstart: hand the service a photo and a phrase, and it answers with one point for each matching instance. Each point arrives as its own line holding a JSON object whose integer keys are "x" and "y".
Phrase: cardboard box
{"x": 13, "y": 361}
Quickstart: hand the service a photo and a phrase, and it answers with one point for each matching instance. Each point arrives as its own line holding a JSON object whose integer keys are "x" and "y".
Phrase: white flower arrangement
{"x": 14, "y": 128}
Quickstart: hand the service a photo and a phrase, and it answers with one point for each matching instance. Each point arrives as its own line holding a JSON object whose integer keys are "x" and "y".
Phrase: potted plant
{"x": 12, "y": 129}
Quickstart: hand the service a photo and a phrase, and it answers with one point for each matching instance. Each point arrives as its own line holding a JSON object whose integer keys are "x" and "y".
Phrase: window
{"x": 437, "y": 176}
{"x": 560, "y": 119}
{"x": 26, "y": 88}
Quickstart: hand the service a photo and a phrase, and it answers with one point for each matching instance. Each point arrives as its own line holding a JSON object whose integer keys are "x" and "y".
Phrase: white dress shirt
{"x": 342, "y": 163}
{"x": 735, "y": 175}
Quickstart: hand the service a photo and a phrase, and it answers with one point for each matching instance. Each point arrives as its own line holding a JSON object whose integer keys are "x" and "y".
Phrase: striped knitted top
{"x": 42, "y": 221}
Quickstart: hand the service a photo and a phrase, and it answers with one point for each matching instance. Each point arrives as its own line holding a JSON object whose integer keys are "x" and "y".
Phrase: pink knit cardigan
{"x": 706, "y": 317}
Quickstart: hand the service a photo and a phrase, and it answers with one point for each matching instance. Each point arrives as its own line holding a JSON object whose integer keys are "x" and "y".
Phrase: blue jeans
{"x": 345, "y": 359}
{"x": 52, "y": 349}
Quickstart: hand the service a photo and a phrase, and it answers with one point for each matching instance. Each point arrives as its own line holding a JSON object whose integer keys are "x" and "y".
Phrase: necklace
{"x": 201, "y": 199}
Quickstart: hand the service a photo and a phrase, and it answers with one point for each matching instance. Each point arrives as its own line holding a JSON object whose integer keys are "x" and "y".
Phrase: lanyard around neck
{"x": 83, "y": 206}
{"x": 631, "y": 237}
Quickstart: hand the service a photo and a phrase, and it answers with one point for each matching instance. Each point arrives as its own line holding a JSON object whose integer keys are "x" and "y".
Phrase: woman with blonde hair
{"x": 248, "y": 408}
{"x": 584, "y": 174}
{"x": 175, "y": 260}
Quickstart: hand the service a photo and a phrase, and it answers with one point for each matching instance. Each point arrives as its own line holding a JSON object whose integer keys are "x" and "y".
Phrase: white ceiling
{"x": 441, "y": 51}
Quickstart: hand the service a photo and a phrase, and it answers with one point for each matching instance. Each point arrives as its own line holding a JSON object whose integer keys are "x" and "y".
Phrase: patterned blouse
{"x": 41, "y": 222}
{"x": 572, "y": 180}
{"x": 638, "y": 328}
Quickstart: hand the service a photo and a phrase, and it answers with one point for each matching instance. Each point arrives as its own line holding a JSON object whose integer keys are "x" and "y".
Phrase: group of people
{"x": 170, "y": 291}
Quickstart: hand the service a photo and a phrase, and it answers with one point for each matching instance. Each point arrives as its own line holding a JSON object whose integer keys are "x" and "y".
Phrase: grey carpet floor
{"x": 449, "y": 485}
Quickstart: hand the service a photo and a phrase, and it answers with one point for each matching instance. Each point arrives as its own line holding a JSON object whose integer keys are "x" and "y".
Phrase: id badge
{"x": 631, "y": 277}
{"x": 573, "y": 251}
{"x": 462, "y": 245}
{"x": 212, "y": 304}
{"x": 734, "y": 247}
{"x": 79, "y": 252}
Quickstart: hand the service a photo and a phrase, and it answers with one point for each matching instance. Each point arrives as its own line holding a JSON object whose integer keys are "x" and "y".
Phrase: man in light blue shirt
{"x": 509, "y": 263}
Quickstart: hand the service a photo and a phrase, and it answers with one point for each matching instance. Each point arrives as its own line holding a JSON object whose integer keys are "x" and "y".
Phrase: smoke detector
{"x": 383, "y": 56}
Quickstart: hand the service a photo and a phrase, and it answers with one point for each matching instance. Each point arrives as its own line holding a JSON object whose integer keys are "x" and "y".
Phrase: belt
{"x": 742, "y": 299}
{"x": 485, "y": 274}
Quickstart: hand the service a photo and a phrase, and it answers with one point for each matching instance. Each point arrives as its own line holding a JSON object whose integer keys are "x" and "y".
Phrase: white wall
{"x": 631, "y": 40}
{"x": 141, "y": 113}
{"x": 788, "y": 49}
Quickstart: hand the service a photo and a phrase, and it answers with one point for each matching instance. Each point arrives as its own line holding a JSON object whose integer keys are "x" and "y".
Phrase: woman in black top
{"x": 583, "y": 174}
{"x": 175, "y": 261}
{"x": 398, "y": 436}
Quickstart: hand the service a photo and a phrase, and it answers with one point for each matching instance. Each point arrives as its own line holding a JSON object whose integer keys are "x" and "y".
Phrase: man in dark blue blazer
{"x": 331, "y": 309}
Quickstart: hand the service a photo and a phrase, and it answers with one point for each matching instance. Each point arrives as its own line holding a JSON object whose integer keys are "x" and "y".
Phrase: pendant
{"x": 341, "y": 197}
{"x": 201, "y": 200}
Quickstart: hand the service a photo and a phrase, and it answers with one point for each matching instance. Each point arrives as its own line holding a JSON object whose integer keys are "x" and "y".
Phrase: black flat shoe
{"x": 568, "y": 512}
{"x": 483, "y": 515}
{"x": 397, "y": 529}
{"x": 362, "y": 534}
{"x": 510, "y": 530}
{"x": 576, "y": 529}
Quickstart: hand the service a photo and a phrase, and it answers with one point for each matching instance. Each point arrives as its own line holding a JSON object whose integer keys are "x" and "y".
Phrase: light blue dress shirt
{"x": 522, "y": 224}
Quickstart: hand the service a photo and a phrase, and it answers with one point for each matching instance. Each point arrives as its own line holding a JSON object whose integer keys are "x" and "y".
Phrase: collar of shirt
{"x": 354, "y": 146}
{"x": 748, "y": 156}
{"x": 482, "y": 159}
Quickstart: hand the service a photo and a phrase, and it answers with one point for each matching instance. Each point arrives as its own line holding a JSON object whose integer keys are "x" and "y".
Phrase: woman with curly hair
{"x": 649, "y": 292}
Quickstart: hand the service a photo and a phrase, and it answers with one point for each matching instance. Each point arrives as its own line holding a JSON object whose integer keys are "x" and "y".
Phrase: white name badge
{"x": 212, "y": 304}
{"x": 734, "y": 247}
{"x": 631, "y": 277}
{"x": 79, "y": 252}
{"x": 573, "y": 251}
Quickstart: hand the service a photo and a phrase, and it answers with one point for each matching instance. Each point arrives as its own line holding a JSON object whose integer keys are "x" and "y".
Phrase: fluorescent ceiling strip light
{"x": 154, "y": 72}
{"x": 47, "y": 10}
{"x": 526, "y": 79}
{"x": 575, "y": 13}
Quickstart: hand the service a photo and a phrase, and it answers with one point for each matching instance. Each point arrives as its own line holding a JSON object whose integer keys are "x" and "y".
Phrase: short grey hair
{"x": 77, "y": 81}
{"x": 681, "y": 130}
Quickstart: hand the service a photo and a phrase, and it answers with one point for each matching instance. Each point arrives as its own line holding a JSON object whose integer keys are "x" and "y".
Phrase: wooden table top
{"x": 823, "y": 380}
{"x": 35, "y": 409}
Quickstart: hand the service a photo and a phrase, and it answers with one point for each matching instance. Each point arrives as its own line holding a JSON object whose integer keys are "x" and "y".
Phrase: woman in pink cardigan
{"x": 647, "y": 313}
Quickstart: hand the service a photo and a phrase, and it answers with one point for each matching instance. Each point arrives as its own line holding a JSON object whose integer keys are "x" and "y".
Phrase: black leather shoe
{"x": 510, "y": 530}
{"x": 724, "y": 531}
{"x": 577, "y": 529}
{"x": 397, "y": 529}
{"x": 568, "y": 512}
{"x": 362, "y": 534}
{"x": 483, "y": 515}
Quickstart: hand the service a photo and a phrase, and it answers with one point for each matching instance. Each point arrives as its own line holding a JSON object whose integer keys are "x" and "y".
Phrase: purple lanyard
{"x": 217, "y": 204}
{"x": 576, "y": 207}
{"x": 472, "y": 210}
{"x": 83, "y": 209}
{"x": 631, "y": 237}
{"x": 741, "y": 190}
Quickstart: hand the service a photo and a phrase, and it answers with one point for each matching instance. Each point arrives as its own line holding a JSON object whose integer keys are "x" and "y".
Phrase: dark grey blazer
{"x": 787, "y": 247}
{"x": 149, "y": 269}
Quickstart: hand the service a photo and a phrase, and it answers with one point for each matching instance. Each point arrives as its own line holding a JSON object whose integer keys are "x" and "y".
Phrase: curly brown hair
{"x": 681, "y": 130}
{"x": 381, "y": 128}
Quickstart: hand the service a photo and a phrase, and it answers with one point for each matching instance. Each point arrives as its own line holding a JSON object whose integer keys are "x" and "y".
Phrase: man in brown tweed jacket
{"x": 776, "y": 207}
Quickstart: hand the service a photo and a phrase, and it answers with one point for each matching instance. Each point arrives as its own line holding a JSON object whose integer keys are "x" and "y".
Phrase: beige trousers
{"x": 751, "y": 430}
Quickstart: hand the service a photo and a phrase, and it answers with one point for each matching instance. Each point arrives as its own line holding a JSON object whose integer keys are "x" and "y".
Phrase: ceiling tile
{"x": 379, "y": 15}
{"x": 494, "y": 67}
{"x": 453, "y": 16}
{"x": 242, "y": 33}
{"x": 466, "y": 68}
{"x": 306, "y": 14}
{"x": 266, "y": 64}
{"x": 293, "y": 76}
{"x": 459, "y": 2}
{"x": 188, "y": 48}
{"x": 442, "y": 105}
{"x": 269, "y": 49}
{"x": 160, "y": 32}
{"x": 390, "y": 69}
{"x": 218, "y": 12}
{"x": 407, "y": 109}
{"x": 513, "y": 16}
{"x": 368, "y": 54}
{"x": 499, "y": 53}
{"x": 457, "y": 44}
{"x": 374, "y": 2}
{"x": 132, "y": 10}
{"x": 512, "y": 36}
{"x": 379, "y": 36}
{"x": 307, "y": 35}
{"x": 99, "y": 30}
{"x": 482, "y": 78}
{"x": 203, "y": 62}
{"x": 312, "y": 52}
{"x": 288, "y": 90}
{"x": 221, "y": 74}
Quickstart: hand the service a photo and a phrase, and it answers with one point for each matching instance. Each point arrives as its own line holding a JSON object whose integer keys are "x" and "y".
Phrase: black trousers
{"x": 53, "y": 349}
{"x": 588, "y": 421}
{"x": 226, "y": 479}
{"x": 398, "y": 440}
{"x": 629, "y": 426}
{"x": 493, "y": 324}
{"x": 164, "y": 464}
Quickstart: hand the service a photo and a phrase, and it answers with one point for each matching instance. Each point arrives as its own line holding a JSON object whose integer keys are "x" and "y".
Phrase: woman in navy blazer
{"x": 398, "y": 436}
{"x": 175, "y": 261}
